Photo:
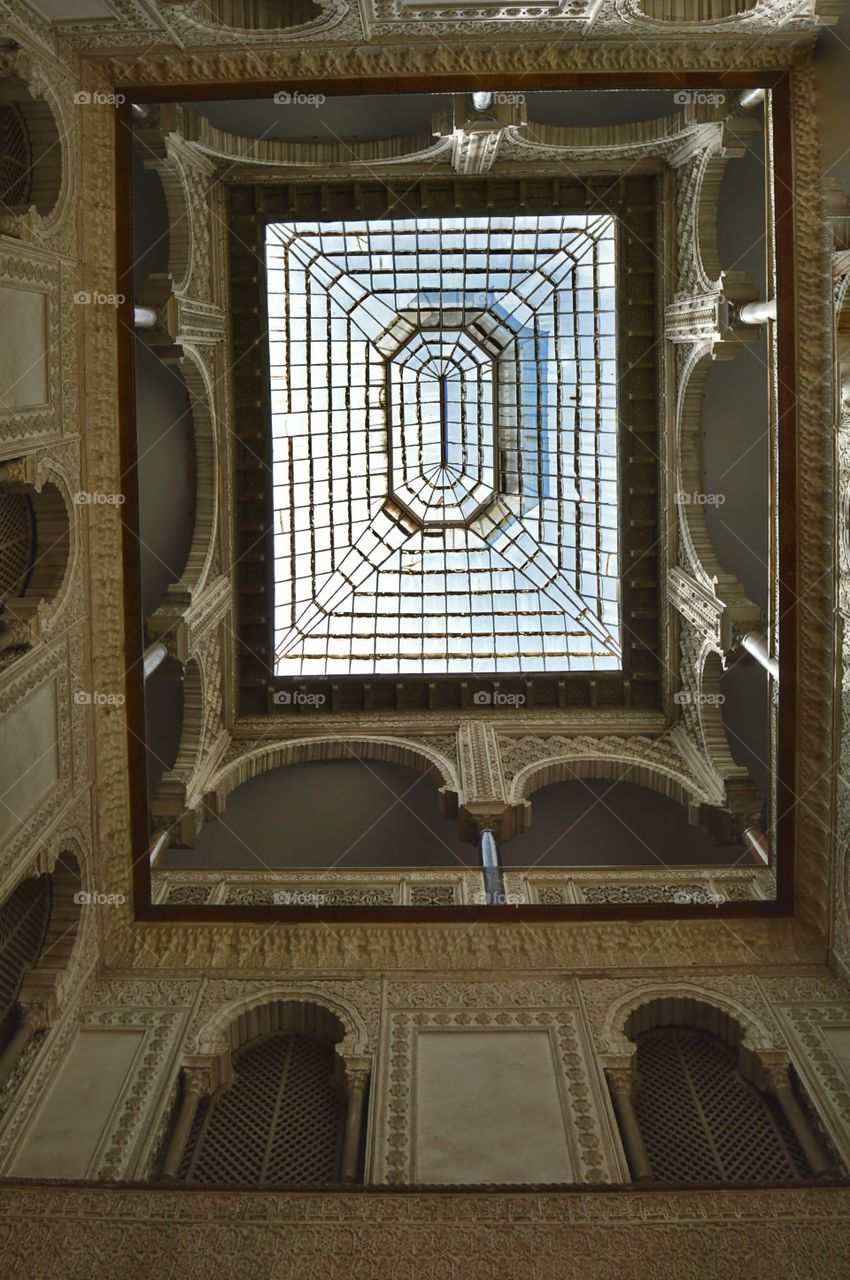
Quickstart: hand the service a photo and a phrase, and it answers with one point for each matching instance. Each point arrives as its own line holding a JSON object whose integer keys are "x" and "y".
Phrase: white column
{"x": 144, "y": 317}
{"x": 756, "y": 644}
{"x": 756, "y": 843}
{"x": 160, "y": 840}
{"x": 155, "y": 655}
{"x": 758, "y": 312}
{"x": 491, "y": 866}
{"x": 752, "y": 98}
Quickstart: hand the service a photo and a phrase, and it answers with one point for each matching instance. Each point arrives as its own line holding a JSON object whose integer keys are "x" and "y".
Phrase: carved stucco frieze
{"x": 620, "y": 1235}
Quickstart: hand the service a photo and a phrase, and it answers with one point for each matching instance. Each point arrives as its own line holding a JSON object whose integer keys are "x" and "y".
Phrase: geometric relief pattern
{"x": 279, "y": 1123}
{"x": 701, "y": 1121}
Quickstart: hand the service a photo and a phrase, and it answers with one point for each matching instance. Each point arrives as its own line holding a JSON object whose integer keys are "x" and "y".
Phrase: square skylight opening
{"x": 444, "y": 424}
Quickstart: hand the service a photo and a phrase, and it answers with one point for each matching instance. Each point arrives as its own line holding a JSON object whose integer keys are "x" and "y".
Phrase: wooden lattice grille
{"x": 15, "y": 157}
{"x": 17, "y": 543}
{"x": 280, "y": 1122}
{"x": 701, "y": 1121}
{"x": 23, "y": 922}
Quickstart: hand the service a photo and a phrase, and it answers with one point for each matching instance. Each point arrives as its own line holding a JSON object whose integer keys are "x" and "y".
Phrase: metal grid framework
{"x": 444, "y": 423}
{"x": 280, "y": 1122}
{"x": 701, "y": 1121}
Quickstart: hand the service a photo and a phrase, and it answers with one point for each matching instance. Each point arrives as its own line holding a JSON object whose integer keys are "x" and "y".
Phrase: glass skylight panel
{"x": 444, "y": 422}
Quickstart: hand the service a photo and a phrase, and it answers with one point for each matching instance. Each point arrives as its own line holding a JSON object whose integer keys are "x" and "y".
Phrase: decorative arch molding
{"x": 44, "y": 126}
{"x": 231, "y": 1025}
{"x": 701, "y": 669}
{"x": 694, "y": 12}
{"x": 186, "y": 175}
{"x": 689, "y": 1004}
{"x": 279, "y": 755}
{"x": 199, "y": 562}
{"x": 697, "y": 551}
{"x": 284, "y": 154}
{"x": 51, "y": 979}
{"x": 254, "y": 20}
{"x": 35, "y": 610}
{"x": 657, "y": 764}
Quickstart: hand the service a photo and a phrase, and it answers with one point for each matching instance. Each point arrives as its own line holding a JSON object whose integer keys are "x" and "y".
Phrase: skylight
{"x": 444, "y": 422}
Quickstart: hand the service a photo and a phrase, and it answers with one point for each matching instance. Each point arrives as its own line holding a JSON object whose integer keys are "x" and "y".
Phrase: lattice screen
{"x": 15, "y": 157}
{"x": 280, "y": 1122}
{"x": 23, "y": 922}
{"x": 701, "y": 1121}
{"x": 17, "y": 543}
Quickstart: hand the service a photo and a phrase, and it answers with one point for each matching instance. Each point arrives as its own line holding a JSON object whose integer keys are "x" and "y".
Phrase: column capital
{"x": 357, "y": 1072}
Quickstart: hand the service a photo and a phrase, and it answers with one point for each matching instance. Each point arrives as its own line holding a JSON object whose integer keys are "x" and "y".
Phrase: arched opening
{"x": 701, "y": 1121}
{"x": 280, "y": 1121}
{"x": 341, "y": 814}
{"x": 23, "y": 924}
{"x": 587, "y": 820}
{"x": 702, "y": 1102}
{"x": 30, "y": 151}
{"x": 35, "y": 542}
{"x": 39, "y": 924}
{"x": 259, "y": 15}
